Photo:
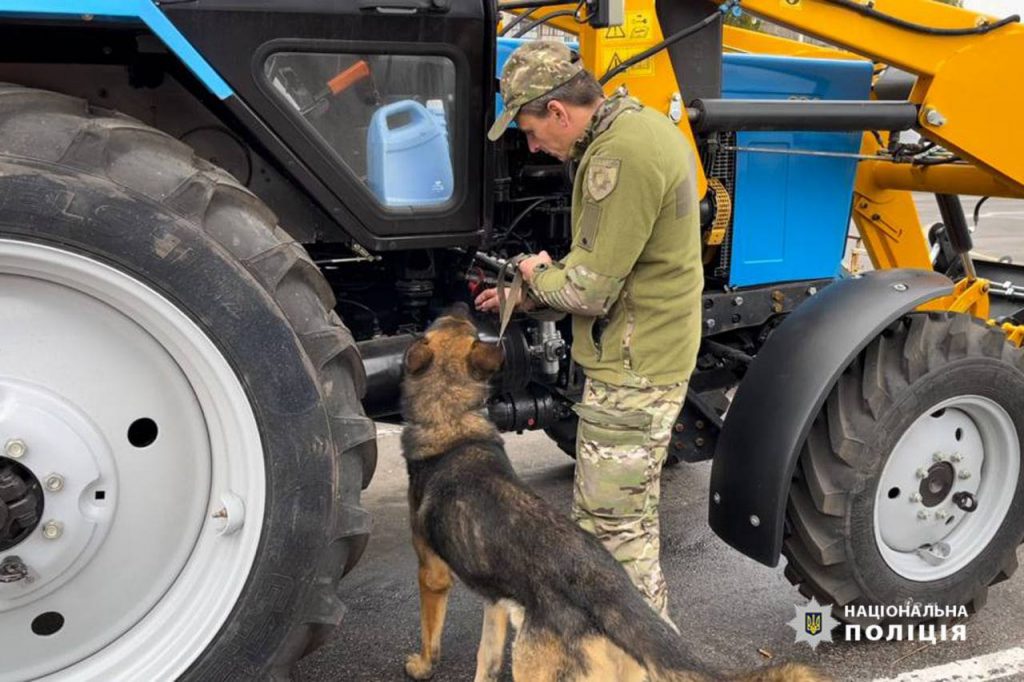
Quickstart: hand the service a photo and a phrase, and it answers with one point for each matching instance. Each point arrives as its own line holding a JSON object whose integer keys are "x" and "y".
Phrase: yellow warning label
{"x": 615, "y": 56}
{"x": 638, "y": 27}
{"x": 615, "y": 33}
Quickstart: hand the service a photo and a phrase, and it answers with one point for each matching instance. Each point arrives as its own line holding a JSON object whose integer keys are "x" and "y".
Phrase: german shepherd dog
{"x": 579, "y": 618}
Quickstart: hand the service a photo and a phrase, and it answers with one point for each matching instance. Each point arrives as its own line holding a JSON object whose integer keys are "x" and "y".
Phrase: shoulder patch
{"x": 602, "y": 177}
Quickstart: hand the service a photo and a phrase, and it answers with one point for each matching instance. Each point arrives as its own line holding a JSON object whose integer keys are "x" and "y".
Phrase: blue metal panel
{"x": 142, "y": 10}
{"x": 791, "y": 213}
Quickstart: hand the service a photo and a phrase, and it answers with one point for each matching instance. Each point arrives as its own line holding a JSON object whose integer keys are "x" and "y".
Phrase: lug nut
{"x": 922, "y": 473}
{"x": 923, "y": 515}
{"x": 941, "y": 514}
{"x": 15, "y": 448}
{"x": 54, "y": 483}
{"x": 915, "y": 498}
{"x": 53, "y": 530}
{"x": 755, "y": 521}
{"x": 964, "y": 475}
{"x": 717, "y": 498}
{"x": 937, "y": 457}
{"x": 956, "y": 457}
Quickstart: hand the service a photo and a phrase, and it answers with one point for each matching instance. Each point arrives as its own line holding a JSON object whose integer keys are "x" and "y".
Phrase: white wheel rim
{"x": 144, "y": 578}
{"x": 926, "y": 537}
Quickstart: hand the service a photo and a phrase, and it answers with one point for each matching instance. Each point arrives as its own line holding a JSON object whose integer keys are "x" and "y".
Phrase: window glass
{"x": 387, "y": 118}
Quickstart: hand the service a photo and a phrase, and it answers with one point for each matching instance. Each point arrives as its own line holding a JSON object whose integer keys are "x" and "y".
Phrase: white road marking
{"x": 996, "y": 666}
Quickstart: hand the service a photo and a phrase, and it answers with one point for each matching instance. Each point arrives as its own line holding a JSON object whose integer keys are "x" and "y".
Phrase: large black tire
{"x": 918, "y": 362}
{"x": 103, "y": 185}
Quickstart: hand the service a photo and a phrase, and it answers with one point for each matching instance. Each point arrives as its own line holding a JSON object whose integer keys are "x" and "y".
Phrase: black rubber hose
{"x": 868, "y": 11}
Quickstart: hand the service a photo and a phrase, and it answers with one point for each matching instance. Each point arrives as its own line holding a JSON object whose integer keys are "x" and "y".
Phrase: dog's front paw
{"x": 418, "y": 668}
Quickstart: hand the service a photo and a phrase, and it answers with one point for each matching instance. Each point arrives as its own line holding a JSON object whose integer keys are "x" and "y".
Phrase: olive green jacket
{"x": 633, "y": 277}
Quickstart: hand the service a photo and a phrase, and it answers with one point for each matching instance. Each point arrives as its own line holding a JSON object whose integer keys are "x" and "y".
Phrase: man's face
{"x": 553, "y": 134}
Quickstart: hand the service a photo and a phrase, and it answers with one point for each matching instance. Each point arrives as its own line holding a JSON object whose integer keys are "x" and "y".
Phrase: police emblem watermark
{"x": 814, "y": 623}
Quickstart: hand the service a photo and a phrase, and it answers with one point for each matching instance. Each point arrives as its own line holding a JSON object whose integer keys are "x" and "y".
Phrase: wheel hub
{"x": 961, "y": 456}
{"x": 935, "y": 487}
{"x": 21, "y": 503}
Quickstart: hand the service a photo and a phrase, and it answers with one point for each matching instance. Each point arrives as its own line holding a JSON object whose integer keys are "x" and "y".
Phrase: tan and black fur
{"x": 578, "y": 615}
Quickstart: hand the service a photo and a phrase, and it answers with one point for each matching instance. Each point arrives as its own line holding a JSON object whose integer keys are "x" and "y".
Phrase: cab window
{"x": 387, "y": 119}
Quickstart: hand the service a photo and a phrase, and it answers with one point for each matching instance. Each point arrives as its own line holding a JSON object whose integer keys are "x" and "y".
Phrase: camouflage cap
{"x": 532, "y": 70}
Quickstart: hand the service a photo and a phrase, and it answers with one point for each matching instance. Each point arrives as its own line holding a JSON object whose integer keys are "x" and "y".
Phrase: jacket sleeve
{"x": 623, "y": 192}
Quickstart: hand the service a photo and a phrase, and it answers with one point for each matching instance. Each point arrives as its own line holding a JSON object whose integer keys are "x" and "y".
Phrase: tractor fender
{"x": 783, "y": 390}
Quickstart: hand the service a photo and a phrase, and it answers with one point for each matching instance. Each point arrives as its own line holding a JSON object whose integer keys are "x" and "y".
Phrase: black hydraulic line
{"x": 712, "y": 115}
{"x": 537, "y": 22}
{"x": 528, "y": 4}
{"x": 674, "y": 38}
{"x": 512, "y": 24}
{"x": 977, "y": 209}
{"x": 869, "y": 11}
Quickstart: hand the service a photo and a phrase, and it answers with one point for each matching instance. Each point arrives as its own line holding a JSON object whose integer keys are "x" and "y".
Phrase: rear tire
{"x": 90, "y": 191}
{"x": 934, "y": 406}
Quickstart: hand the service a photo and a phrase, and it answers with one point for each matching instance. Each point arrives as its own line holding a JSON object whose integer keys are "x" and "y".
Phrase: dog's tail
{"x": 634, "y": 626}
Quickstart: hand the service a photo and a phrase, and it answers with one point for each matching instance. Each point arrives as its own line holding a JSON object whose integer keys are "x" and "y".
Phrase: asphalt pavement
{"x": 733, "y": 610}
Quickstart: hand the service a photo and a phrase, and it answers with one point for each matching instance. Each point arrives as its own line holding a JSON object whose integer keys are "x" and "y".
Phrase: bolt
{"x": 221, "y": 513}
{"x": 776, "y": 307}
{"x": 699, "y": 442}
{"x": 15, "y": 448}
{"x": 699, "y": 423}
{"x": 678, "y": 428}
{"x": 915, "y": 498}
{"x": 863, "y": 204}
{"x": 955, "y": 457}
{"x": 923, "y": 515}
{"x": 53, "y": 530}
{"x": 677, "y": 444}
{"x": 12, "y": 569}
{"x": 922, "y": 473}
{"x": 934, "y": 117}
{"x": 717, "y": 498}
{"x": 941, "y": 514}
{"x": 778, "y": 296}
{"x": 937, "y": 457}
{"x": 964, "y": 475}
{"x": 737, "y": 318}
{"x": 738, "y": 301}
{"x": 755, "y": 521}
{"x": 876, "y": 216}
{"x": 708, "y": 304}
{"x": 710, "y": 324}
{"x": 55, "y": 483}
{"x": 900, "y": 286}
{"x": 811, "y": 291}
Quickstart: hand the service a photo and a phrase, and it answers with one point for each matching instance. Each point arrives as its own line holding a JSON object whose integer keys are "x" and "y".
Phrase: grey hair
{"x": 581, "y": 90}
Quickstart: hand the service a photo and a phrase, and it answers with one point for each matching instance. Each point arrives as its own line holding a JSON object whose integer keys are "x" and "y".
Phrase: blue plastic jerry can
{"x": 408, "y": 162}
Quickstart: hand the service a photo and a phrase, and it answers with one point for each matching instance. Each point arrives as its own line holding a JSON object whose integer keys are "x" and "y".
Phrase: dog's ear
{"x": 418, "y": 357}
{"x": 484, "y": 360}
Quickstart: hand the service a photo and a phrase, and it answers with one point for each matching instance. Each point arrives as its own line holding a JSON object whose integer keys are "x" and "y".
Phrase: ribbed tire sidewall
{"x": 105, "y": 185}
{"x": 918, "y": 361}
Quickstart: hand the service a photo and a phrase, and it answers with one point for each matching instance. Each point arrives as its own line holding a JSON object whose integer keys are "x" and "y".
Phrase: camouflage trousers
{"x": 621, "y": 445}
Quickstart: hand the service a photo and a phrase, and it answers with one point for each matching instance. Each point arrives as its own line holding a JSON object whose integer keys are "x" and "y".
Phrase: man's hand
{"x": 528, "y": 265}
{"x": 487, "y": 301}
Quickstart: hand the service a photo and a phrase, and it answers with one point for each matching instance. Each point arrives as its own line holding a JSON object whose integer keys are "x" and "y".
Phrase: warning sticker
{"x": 638, "y": 27}
{"x": 615, "y": 56}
